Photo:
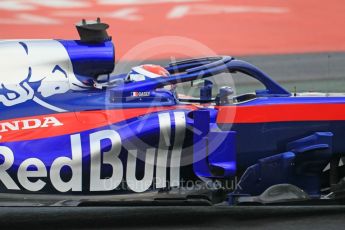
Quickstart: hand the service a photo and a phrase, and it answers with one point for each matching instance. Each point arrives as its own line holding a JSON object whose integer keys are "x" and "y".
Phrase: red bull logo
{"x": 42, "y": 62}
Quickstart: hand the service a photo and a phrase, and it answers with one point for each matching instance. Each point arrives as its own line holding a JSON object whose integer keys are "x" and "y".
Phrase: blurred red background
{"x": 231, "y": 27}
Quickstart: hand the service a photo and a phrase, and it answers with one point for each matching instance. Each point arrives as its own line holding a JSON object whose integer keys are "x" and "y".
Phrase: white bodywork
{"x": 45, "y": 62}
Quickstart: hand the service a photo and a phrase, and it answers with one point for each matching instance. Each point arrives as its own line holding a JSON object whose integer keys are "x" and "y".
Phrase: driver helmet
{"x": 148, "y": 71}
{"x": 144, "y": 72}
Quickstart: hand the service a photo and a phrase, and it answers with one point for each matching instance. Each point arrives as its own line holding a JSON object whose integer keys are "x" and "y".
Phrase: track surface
{"x": 197, "y": 217}
{"x": 322, "y": 72}
{"x": 237, "y": 27}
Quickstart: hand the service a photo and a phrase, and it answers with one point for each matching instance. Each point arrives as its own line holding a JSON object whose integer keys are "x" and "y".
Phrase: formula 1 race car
{"x": 73, "y": 133}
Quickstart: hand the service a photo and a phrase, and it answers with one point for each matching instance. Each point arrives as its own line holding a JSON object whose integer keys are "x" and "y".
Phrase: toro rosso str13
{"x": 74, "y": 133}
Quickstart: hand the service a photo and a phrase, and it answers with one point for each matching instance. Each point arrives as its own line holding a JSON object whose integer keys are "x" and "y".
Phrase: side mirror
{"x": 206, "y": 91}
{"x": 223, "y": 95}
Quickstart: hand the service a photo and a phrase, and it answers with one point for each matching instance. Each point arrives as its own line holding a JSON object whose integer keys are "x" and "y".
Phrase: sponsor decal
{"x": 32, "y": 174}
{"x": 45, "y": 63}
{"x": 141, "y": 94}
{"x": 33, "y": 123}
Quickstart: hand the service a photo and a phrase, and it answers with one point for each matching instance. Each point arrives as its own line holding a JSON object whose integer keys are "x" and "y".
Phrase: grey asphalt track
{"x": 196, "y": 217}
{"x": 308, "y": 72}
{"x": 320, "y": 71}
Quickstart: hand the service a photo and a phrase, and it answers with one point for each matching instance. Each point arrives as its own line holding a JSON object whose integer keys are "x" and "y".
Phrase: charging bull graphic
{"x": 44, "y": 63}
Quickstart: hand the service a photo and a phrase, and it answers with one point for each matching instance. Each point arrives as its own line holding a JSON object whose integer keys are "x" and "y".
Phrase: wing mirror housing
{"x": 206, "y": 90}
{"x": 223, "y": 95}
